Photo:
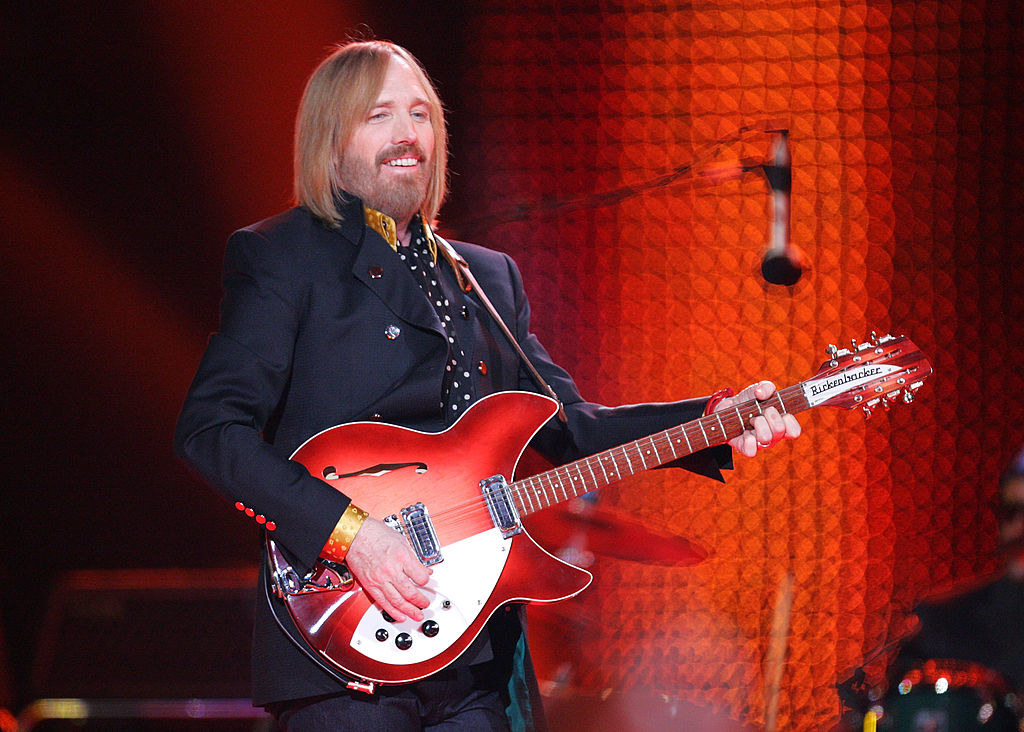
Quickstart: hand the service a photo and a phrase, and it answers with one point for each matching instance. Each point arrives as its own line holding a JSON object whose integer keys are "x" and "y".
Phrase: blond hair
{"x": 339, "y": 95}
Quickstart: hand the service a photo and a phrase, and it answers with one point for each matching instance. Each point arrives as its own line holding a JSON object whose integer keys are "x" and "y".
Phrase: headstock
{"x": 885, "y": 370}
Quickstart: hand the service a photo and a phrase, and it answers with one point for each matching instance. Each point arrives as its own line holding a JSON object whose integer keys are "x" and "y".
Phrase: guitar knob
{"x": 381, "y": 635}
{"x": 403, "y": 641}
{"x": 387, "y": 618}
{"x": 430, "y": 628}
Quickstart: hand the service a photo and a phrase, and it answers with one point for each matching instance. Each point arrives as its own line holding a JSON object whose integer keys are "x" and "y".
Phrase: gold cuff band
{"x": 344, "y": 532}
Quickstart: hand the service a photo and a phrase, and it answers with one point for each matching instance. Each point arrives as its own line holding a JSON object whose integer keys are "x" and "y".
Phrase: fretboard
{"x": 604, "y": 468}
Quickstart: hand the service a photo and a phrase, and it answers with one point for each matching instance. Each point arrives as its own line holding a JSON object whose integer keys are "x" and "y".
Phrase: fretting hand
{"x": 768, "y": 428}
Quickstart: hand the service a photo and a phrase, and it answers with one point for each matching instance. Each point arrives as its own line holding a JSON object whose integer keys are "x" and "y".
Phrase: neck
{"x": 404, "y": 231}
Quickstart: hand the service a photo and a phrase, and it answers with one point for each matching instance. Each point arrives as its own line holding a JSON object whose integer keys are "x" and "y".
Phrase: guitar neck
{"x": 604, "y": 468}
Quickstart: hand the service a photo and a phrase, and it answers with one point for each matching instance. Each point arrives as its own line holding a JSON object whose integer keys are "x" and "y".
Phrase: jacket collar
{"x": 378, "y": 267}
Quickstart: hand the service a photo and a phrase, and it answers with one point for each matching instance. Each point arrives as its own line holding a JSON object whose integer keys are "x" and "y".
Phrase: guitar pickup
{"x": 417, "y": 527}
{"x": 499, "y": 504}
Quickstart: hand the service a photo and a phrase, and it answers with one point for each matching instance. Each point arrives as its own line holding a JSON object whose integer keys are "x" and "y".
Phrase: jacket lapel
{"x": 378, "y": 267}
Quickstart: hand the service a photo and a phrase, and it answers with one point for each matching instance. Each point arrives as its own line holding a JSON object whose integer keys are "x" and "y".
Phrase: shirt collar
{"x": 386, "y": 227}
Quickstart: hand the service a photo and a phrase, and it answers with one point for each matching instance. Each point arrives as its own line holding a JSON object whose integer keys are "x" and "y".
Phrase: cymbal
{"x": 610, "y": 533}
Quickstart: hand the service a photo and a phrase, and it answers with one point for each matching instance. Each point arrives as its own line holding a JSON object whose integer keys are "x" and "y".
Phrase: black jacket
{"x": 306, "y": 342}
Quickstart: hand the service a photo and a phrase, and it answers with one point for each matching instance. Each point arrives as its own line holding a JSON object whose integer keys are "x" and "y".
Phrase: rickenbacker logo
{"x": 821, "y": 390}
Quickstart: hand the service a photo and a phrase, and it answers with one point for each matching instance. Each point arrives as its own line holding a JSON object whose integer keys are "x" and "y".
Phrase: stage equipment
{"x": 783, "y": 263}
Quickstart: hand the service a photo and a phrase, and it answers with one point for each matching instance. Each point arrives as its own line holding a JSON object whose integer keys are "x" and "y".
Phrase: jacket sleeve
{"x": 240, "y": 382}
{"x": 590, "y": 427}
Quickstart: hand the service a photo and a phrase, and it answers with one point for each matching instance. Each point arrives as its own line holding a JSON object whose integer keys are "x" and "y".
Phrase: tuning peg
{"x": 908, "y": 396}
{"x": 832, "y": 350}
{"x": 853, "y": 344}
{"x": 868, "y": 411}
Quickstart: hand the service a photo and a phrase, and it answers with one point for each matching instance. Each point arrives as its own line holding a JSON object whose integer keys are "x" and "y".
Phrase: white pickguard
{"x": 468, "y": 576}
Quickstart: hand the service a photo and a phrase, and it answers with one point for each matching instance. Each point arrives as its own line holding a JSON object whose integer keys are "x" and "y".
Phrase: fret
{"x": 592, "y": 476}
{"x": 578, "y": 476}
{"x": 657, "y": 455}
{"x": 630, "y": 464}
{"x": 700, "y": 423}
{"x": 608, "y": 456}
{"x": 671, "y": 446}
{"x": 565, "y": 493}
{"x": 718, "y": 415}
{"x": 687, "y": 438}
{"x": 528, "y": 496}
{"x": 641, "y": 453}
{"x": 517, "y": 498}
{"x": 546, "y": 493}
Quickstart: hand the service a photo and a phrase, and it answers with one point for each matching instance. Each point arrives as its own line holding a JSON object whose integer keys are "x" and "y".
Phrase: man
{"x": 347, "y": 308}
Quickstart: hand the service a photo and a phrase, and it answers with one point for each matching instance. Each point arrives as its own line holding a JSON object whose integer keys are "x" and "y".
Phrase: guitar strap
{"x": 468, "y": 283}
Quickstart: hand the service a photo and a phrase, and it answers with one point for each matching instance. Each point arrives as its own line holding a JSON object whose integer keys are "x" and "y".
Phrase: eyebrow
{"x": 392, "y": 102}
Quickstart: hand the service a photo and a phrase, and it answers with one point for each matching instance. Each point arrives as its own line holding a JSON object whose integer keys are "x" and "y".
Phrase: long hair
{"x": 339, "y": 94}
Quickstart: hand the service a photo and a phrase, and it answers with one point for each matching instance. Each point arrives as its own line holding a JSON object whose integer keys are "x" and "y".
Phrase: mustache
{"x": 400, "y": 151}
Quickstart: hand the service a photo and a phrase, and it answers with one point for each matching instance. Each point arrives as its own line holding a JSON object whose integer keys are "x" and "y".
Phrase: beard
{"x": 401, "y": 198}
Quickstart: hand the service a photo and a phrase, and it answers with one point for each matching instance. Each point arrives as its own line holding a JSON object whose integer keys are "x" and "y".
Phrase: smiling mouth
{"x": 402, "y": 162}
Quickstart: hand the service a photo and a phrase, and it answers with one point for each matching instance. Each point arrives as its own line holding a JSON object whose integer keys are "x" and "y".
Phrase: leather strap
{"x": 469, "y": 284}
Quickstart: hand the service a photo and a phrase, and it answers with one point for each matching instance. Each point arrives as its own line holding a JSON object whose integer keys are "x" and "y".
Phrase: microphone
{"x": 783, "y": 263}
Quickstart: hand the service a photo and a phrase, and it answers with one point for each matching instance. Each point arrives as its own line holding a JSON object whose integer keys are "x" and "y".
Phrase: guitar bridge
{"x": 499, "y": 503}
{"x": 417, "y": 527}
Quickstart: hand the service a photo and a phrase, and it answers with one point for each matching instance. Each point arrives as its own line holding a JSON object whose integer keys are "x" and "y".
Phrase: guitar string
{"x": 729, "y": 419}
{"x": 632, "y": 452}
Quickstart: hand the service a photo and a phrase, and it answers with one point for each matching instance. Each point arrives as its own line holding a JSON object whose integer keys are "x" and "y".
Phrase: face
{"x": 387, "y": 159}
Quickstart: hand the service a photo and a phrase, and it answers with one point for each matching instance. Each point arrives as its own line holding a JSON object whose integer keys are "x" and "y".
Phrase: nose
{"x": 403, "y": 131}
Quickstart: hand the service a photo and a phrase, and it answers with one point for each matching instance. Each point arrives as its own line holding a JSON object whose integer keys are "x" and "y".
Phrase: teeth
{"x": 402, "y": 162}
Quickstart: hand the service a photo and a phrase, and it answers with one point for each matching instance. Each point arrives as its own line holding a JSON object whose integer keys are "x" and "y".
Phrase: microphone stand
{"x": 782, "y": 264}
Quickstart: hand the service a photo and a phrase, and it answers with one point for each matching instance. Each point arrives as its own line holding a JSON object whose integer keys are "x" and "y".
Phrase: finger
{"x": 793, "y": 428}
{"x": 417, "y": 572}
{"x": 764, "y": 389}
{"x": 762, "y": 431}
{"x": 775, "y": 423}
{"x": 745, "y": 444}
{"x": 404, "y": 607}
{"x": 380, "y": 599}
{"x": 410, "y": 592}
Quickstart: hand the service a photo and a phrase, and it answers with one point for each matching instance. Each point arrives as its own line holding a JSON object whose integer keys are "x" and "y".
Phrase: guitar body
{"x": 385, "y": 469}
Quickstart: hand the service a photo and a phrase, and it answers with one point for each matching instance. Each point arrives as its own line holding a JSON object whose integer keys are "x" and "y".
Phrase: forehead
{"x": 401, "y": 84}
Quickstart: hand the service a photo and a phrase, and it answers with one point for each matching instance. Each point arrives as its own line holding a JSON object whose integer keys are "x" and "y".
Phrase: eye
{"x": 421, "y": 115}
{"x": 377, "y": 116}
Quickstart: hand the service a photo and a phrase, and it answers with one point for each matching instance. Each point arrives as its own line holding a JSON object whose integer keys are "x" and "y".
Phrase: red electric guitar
{"x": 448, "y": 495}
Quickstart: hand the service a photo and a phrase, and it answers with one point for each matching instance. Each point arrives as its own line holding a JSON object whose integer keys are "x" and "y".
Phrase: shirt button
{"x": 376, "y": 417}
{"x": 392, "y": 332}
{"x": 465, "y": 312}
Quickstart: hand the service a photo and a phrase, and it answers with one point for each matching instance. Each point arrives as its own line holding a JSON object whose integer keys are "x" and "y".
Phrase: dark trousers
{"x": 456, "y": 698}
